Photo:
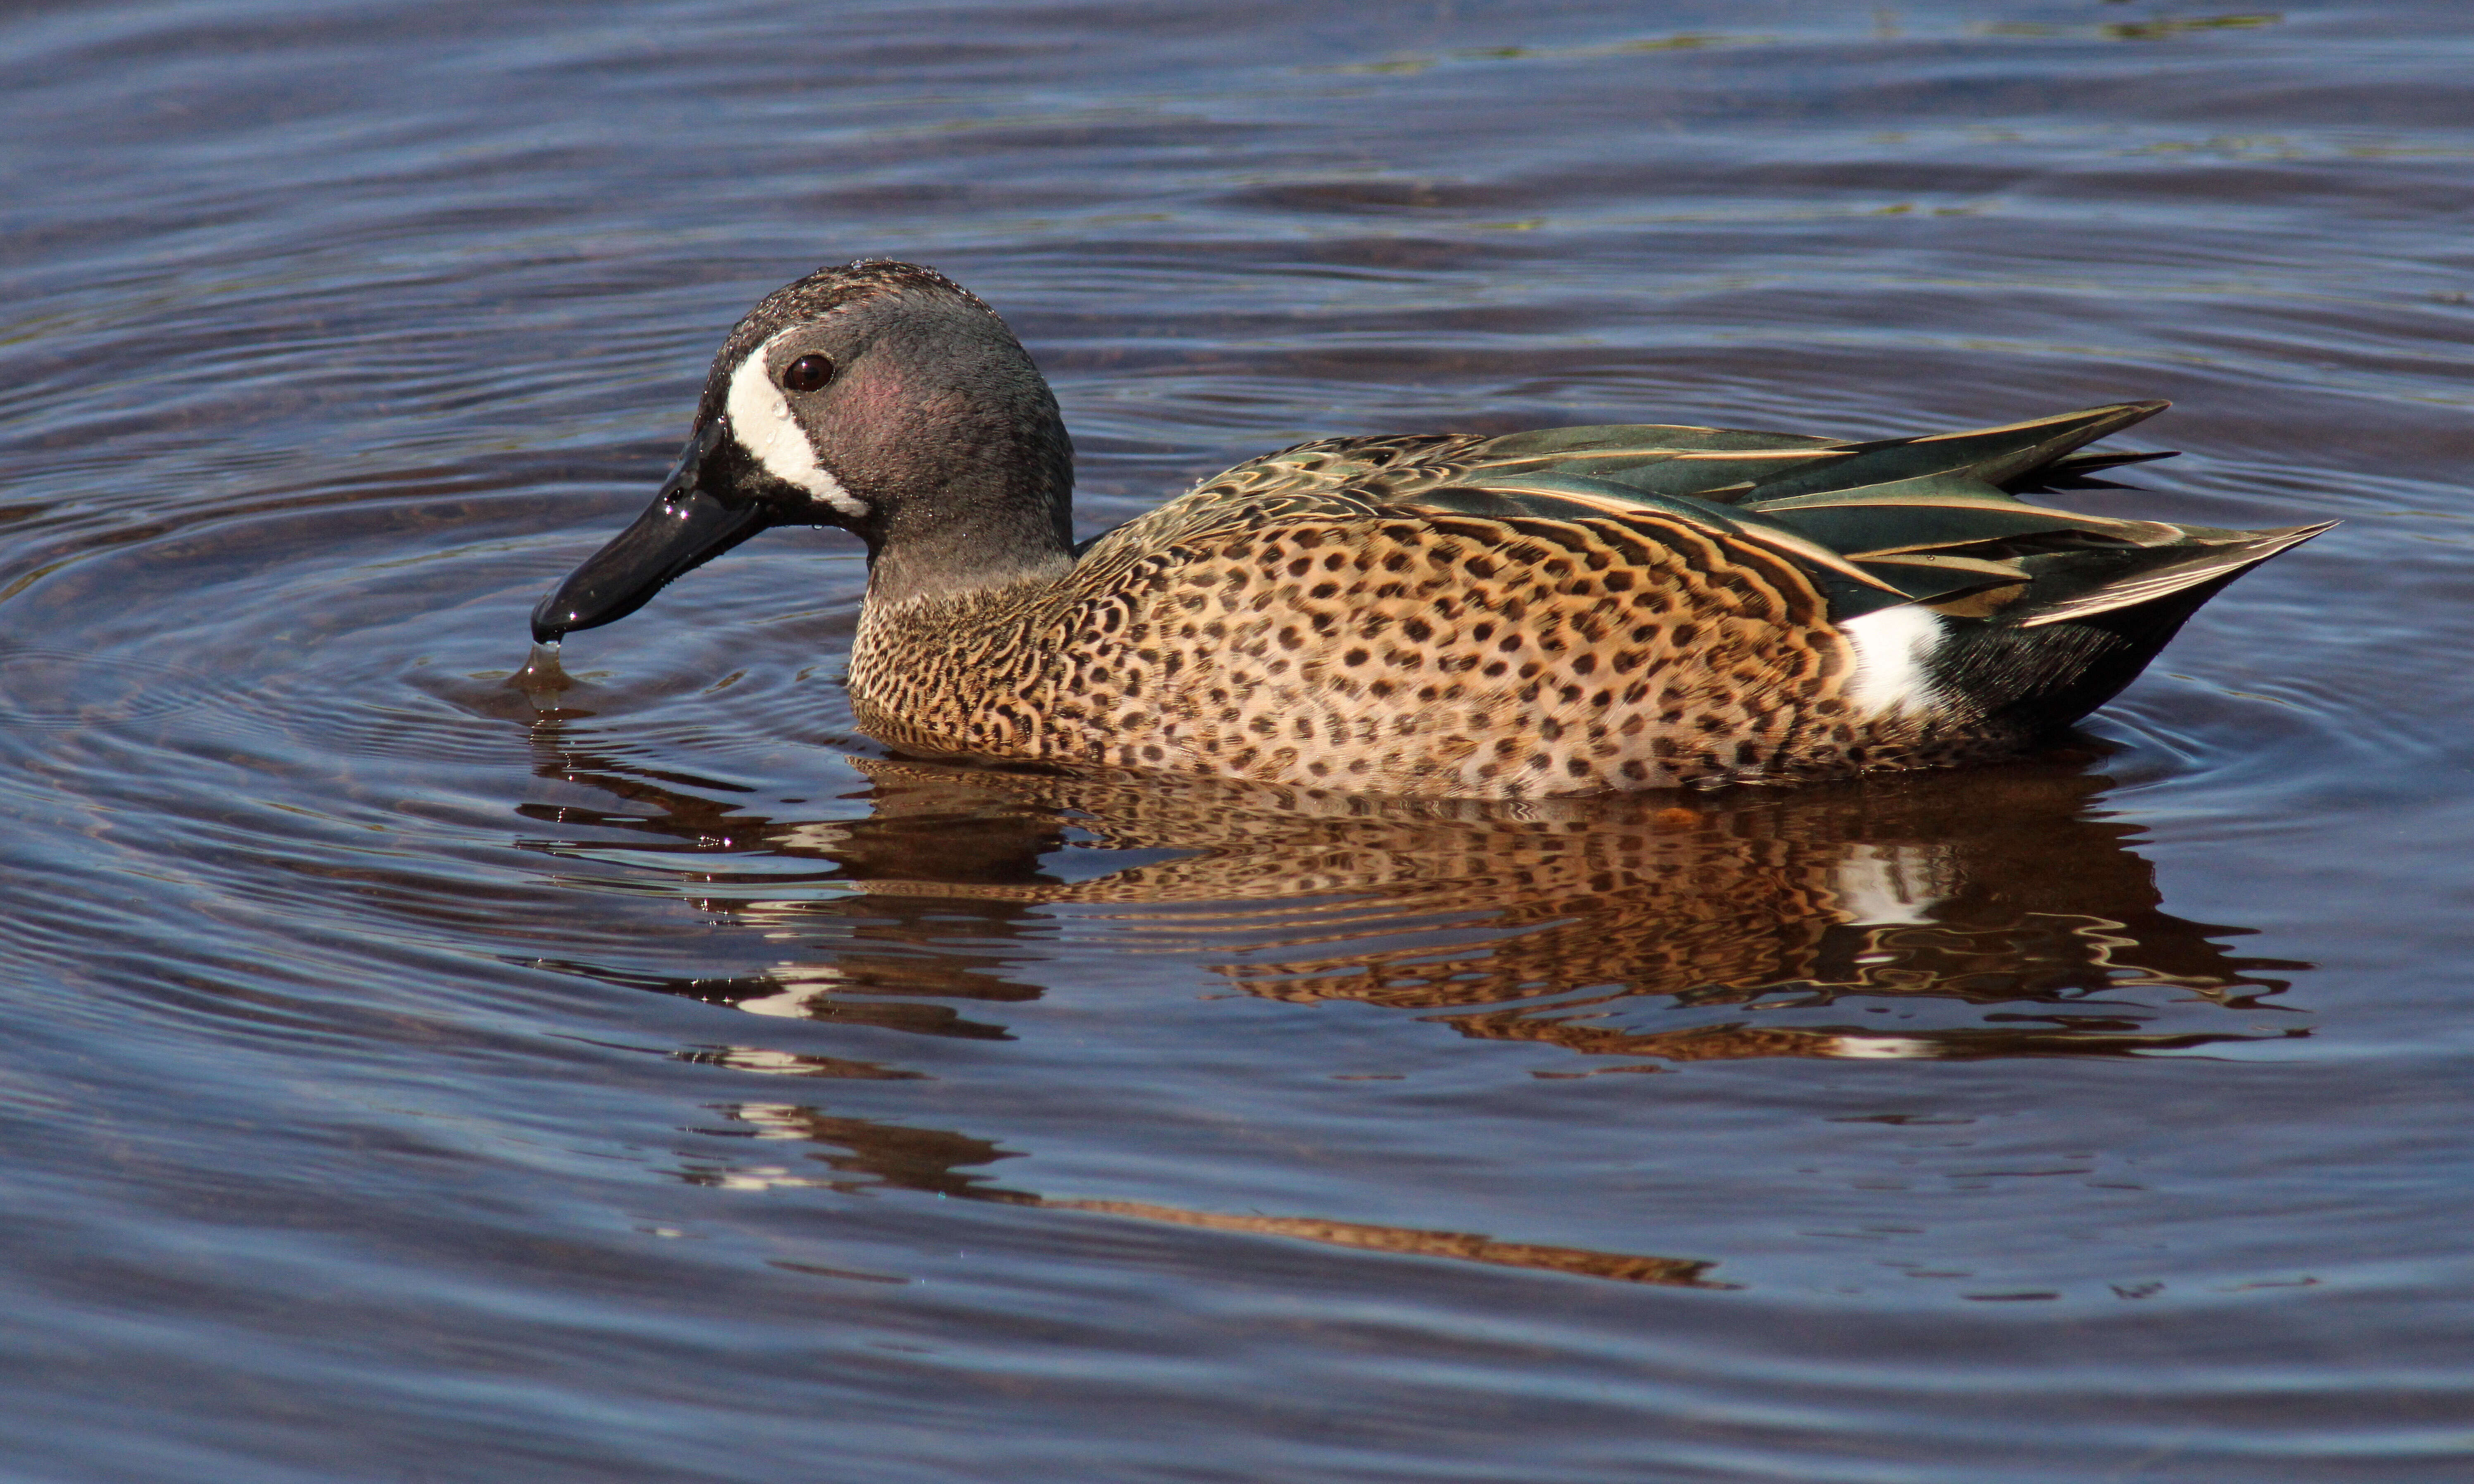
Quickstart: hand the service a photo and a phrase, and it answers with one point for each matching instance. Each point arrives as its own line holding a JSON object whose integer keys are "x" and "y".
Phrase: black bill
{"x": 684, "y": 528}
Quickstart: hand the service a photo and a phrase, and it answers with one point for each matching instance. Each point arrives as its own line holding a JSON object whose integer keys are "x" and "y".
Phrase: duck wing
{"x": 1933, "y": 520}
{"x": 2040, "y": 614}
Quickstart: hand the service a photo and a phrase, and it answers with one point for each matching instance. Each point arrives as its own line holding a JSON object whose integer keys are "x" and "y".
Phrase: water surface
{"x": 642, "y": 1076}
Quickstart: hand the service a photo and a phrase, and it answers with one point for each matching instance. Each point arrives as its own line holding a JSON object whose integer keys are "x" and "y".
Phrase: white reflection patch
{"x": 1889, "y": 886}
{"x": 783, "y": 1003}
{"x": 1885, "y": 1048}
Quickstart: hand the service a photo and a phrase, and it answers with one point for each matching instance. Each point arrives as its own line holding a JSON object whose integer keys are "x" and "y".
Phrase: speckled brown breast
{"x": 1351, "y": 640}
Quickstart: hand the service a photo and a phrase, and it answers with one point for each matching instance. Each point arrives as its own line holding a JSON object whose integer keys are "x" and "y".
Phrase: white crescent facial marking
{"x": 1891, "y": 647}
{"x": 760, "y": 420}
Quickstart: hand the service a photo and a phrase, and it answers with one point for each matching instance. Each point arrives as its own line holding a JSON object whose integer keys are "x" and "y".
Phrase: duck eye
{"x": 808, "y": 373}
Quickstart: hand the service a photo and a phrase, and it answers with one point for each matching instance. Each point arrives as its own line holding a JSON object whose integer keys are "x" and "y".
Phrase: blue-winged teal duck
{"x": 1573, "y": 610}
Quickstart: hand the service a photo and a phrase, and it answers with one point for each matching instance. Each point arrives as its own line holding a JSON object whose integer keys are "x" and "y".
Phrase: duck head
{"x": 882, "y": 398}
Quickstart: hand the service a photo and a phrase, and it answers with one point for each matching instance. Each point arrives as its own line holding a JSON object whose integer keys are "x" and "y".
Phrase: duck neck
{"x": 998, "y": 510}
{"x": 963, "y": 562}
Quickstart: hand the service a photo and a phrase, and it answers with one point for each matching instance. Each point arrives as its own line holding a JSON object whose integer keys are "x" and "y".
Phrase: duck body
{"x": 1573, "y": 610}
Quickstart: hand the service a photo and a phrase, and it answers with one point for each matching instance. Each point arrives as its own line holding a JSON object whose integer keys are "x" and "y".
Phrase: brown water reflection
{"x": 873, "y": 1153}
{"x": 1997, "y": 899}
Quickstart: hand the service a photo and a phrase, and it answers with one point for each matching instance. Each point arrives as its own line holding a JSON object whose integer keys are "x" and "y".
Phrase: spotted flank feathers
{"x": 1572, "y": 609}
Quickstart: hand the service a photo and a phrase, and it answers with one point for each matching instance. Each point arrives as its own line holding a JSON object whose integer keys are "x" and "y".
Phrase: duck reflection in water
{"x": 1739, "y": 925}
{"x": 874, "y": 1154}
{"x": 1951, "y": 916}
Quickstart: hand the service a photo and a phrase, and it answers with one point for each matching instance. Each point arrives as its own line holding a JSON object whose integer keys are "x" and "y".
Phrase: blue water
{"x": 414, "y": 1076}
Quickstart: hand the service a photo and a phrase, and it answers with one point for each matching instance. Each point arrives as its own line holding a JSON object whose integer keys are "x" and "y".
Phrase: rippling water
{"x": 422, "y": 1072}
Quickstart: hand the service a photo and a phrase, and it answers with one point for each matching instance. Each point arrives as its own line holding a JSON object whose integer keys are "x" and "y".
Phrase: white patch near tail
{"x": 760, "y": 420}
{"x": 1891, "y": 647}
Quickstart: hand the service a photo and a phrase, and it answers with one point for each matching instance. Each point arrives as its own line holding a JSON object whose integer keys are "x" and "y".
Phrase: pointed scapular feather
{"x": 1812, "y": 553}
{"x": 1701, "y": 462}
{"x": 1572, "y": 497}
{"x": 1634, "y": 453}
{"x": 1994, "y": 456}
{"x": 1938, "y": 510}
{"x": 2089, "y": 463}
{"x": 1676, "y": 475}
{"x": 1557, "y": 495}
{"x": 1957, "y": 566}
{"x": 2192, "y": 566}
{"x": 1616, "y": 438}
{"x": 1933, "y": 579}
{"x": 1925, "y": 583}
